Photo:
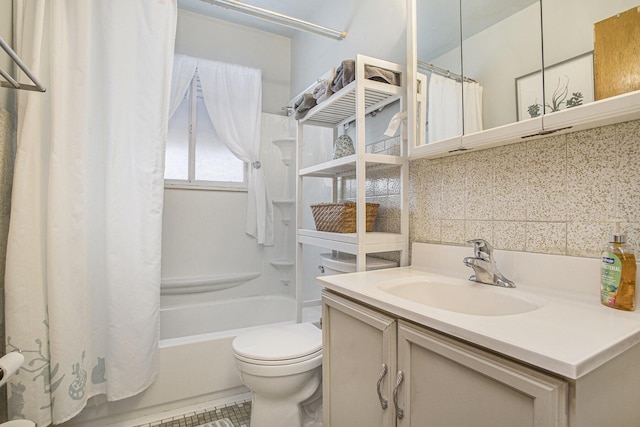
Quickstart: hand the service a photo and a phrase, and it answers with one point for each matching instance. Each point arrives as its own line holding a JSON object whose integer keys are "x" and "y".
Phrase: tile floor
{"x": 239, "y": 413}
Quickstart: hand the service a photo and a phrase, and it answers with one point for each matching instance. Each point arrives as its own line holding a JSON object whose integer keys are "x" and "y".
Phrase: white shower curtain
{"x": 233, "y": 98}
{"x": 445, "y": 107}
{"x": 83, "y": 259}
{"x": 472, "y": 99}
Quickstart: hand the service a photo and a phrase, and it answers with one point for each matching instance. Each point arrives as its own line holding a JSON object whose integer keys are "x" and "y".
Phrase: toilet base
{"x": 269, "y": 411}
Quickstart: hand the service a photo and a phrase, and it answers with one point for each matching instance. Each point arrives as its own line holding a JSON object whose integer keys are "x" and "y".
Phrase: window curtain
{"x": 83, "y": 259}
{"x": 445, "y": 107}
{"x": 233, "y": 98}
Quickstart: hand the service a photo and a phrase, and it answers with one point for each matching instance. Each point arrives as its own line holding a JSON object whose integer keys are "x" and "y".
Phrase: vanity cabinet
{"x": 428, "y": 379}
{"x": 448, "y": 383}
{"x": 358, "y": 364}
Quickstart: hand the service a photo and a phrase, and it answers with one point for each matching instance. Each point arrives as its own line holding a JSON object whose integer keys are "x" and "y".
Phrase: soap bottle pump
{"x": 618, "y": 272}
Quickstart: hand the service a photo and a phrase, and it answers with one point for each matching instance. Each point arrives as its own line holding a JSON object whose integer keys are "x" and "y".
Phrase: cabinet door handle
{"x": 399, "y": 379}
{"x": 383, "y": 402}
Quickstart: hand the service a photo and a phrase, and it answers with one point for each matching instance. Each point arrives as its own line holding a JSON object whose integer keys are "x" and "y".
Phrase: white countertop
{"x": 570, "y": 334}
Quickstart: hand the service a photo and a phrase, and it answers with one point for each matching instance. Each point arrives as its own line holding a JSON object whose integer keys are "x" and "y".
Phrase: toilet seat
{"x": 291, "y": 361}
{"x": 279, "y": 345}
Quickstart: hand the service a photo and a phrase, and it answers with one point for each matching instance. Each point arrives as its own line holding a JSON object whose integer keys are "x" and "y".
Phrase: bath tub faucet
{"x": 484, "y": 265}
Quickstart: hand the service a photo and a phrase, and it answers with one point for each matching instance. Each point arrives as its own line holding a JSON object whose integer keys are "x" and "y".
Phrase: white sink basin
{"x": 461, "y": 297}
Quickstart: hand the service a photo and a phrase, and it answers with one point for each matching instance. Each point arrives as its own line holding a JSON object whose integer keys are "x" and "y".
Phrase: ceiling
{"x": 437, "y": 19}
{"x": 301, "y": 9}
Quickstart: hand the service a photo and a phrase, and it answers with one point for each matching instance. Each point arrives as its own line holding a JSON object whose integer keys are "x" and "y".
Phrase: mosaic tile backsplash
{"x": 551, "y": 195}
{"x": 383, "y": 187}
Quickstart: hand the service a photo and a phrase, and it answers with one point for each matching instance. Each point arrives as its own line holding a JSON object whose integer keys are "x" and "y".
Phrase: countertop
{"x": 570, "y": 334}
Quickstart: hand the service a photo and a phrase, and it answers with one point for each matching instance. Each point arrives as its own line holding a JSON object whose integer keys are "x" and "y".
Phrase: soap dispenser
{"x": 618, "y": 272}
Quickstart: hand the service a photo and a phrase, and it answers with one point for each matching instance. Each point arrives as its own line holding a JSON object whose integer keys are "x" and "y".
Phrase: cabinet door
{"x": 356, "y": 343}
{"x": 447, "y": 383}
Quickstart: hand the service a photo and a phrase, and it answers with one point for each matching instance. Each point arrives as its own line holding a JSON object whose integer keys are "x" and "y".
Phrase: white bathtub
{"x": 203, "y": 321}
{"x": 196, "y": 362}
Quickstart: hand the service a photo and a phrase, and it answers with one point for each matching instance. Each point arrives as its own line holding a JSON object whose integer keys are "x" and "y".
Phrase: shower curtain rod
{"x": 10, "y": 81}
{"x": 279, "y": 18}
{"x": 443, "y": 72}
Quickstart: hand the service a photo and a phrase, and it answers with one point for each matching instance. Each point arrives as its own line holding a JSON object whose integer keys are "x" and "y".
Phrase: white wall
{"x": 210, "y": 38}
{"x": 194, "y": 245}
{"x": 204, "y": 231}
{"x": 375, "y": 28}
{"x": 568, "y": 25}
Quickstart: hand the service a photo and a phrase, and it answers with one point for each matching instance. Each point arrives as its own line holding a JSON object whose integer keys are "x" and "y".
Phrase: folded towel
{"x": 345, "y": 74}
{"x": 322, "y": 90}
{"x": 303, "y": 105}
{"x": 381, "y": 75}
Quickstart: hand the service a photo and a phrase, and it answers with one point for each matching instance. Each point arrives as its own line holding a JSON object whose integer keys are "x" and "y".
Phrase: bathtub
{"x": 196, "y": 361}
{"x": 205, "y": 321}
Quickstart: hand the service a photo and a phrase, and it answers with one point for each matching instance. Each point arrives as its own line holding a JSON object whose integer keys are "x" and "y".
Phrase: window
{"x": 195, "y": 155}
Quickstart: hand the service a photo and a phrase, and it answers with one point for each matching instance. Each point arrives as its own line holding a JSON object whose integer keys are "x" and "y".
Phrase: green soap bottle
{"x": 618, "y": 274}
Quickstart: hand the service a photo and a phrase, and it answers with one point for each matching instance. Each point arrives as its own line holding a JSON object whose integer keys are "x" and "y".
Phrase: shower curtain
{"x": 445, "y": 107}
{"x": 233, "y": 98}
{"x": 83, "y": 258}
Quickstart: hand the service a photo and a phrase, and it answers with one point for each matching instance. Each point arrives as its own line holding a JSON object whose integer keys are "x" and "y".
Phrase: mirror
{"x": 439, "y": 67}
{"x": 491, "y": 43}
{"x": 590, "y": 51}
{"x": 501, "y": 42}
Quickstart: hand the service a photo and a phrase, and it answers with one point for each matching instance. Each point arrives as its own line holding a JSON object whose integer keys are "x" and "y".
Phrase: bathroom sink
{"x": 460, "y": 297}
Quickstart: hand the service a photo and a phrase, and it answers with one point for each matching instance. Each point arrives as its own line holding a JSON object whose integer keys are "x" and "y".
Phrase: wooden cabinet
{"x": 616, "y": 54}
{"x": 448, "y": 383}
{"x": 358, "y": 363}
{"x": 435, "y": 380}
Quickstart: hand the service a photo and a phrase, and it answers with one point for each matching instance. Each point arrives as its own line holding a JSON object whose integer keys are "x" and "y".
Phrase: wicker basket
{"x": 341, "y": 217}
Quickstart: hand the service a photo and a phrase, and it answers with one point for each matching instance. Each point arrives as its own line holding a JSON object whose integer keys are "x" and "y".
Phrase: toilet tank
{"x": 339, "y": 262}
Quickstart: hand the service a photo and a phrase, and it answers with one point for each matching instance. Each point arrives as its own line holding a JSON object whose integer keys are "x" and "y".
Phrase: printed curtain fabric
{"x": 83, "y": 260}
{"x": 233, "y": 98}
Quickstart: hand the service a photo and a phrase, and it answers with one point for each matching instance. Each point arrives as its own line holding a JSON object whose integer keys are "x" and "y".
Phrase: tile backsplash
{"x": 381, "y": 186}
{"x": 551, "y": 195}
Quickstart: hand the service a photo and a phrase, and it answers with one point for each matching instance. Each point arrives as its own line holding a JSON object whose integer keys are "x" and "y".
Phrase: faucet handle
{"x": 481, "y": 248}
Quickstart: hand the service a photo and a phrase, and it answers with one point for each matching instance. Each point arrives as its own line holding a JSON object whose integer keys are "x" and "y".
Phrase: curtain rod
{"x": 279, "y": 18}
{"x": 444, "y": 72}
{"x": 12, "y": 83}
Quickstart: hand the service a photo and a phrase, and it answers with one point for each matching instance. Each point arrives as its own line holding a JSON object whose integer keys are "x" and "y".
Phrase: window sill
{"x": 203, "y": 186}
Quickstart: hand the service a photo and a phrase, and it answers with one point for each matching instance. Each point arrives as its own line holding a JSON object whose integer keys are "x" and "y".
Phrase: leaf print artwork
{"x": 76, "y": 388}
{"x": 39, "y": 363}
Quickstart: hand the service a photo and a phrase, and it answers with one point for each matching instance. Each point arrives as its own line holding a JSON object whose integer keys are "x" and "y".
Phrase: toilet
{"x": 282, "y": 366}
{"x": 340, "y": 262}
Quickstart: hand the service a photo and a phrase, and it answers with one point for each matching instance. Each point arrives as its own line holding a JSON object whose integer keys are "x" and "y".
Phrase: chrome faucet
{"x": 484, "y": 265}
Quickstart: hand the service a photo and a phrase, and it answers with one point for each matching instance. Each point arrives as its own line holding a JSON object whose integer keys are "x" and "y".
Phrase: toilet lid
{"x": 279, "y": 343}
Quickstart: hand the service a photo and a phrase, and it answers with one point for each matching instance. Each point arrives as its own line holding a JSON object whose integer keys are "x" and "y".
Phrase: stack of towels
{"x": 345, "y": 74}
